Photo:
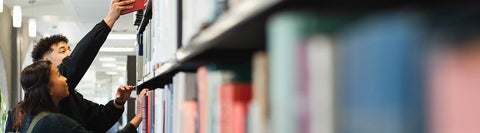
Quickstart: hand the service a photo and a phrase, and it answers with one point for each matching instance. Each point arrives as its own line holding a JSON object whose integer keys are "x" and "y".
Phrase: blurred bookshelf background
{"x": 305, "y": 66}
{"x": 311, "y": 67}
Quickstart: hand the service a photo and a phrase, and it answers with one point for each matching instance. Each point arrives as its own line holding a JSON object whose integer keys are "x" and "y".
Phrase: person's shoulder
{"x": 58, "y": 123}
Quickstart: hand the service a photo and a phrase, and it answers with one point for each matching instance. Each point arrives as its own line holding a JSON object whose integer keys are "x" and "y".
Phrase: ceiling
{"x": 74, "y": 18}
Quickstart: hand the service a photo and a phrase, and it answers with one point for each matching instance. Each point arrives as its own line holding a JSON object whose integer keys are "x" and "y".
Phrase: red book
{"x": 144, "y": 114}
{"x": 234, "y": 101}
{"x": 149, "y": 111}
{"x": 137, "y": 5}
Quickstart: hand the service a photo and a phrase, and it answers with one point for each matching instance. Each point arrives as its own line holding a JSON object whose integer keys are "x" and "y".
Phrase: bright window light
{"x": 111, "y": 49}
{"x": 114, "y": 36}
{"x": 32, "y": 27}
{"x": 1, "y": 6}
{"x": 17, "y": 16}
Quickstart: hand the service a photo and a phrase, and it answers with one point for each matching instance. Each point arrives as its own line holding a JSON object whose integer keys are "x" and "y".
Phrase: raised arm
{"x": 75, "y": 66}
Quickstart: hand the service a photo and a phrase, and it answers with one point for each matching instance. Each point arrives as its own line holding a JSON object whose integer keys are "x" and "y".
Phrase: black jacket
{"x": 94, "y": 117}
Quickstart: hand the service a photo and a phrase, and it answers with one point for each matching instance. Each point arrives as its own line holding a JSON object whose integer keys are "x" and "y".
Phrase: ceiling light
{"x": 111, "y": 73}
{"x": 17, "y": 16}
{"x": 32, "y": 27}
{"x": 120, "y": 67}
{"x": 109, "y": 65}
{"x": 110, "y": 49}
{"x": 108, "y": 59}
{"x": 122, "y": 36}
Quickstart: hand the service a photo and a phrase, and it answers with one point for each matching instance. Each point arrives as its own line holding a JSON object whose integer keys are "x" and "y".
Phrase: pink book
{"x": 454, "y": 88}
{"x": 189, "y": 113}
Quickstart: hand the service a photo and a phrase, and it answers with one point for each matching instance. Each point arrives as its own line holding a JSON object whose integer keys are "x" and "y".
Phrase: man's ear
{"x": 45, "y": 58}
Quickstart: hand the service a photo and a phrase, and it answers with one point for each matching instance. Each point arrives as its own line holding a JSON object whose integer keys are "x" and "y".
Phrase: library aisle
{"x": 306, "y": 66}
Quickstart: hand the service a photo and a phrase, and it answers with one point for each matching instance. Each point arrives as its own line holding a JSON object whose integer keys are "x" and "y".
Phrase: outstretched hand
{"x": 116, "y": 7}
{"x": 123, "y": 93}
{"x": 140, "y": 100}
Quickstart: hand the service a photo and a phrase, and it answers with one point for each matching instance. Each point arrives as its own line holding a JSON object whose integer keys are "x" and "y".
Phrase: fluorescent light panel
{"x": 111, "y": 73}
{"x": 111, "y": 49}
{"x": 17, "y": 16}
{"x": 32, "y": 27}
{"x": 108, "y": 59}
{"x": 122, "y": 36}
{"x": 109, "y": 65}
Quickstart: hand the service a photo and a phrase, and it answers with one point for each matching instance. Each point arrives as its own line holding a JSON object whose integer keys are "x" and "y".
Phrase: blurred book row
{"x": 402, "y": 70}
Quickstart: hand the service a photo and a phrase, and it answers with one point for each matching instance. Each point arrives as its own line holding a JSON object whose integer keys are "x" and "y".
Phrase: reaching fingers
{"x": 122, "y": 4}
{"x": 144, "y": 91}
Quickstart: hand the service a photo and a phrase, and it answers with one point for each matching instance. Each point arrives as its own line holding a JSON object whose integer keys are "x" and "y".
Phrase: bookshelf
{"x": 238, "y": 32}
{"x": 231, "y": 38}
{"x": 339, "y": 47}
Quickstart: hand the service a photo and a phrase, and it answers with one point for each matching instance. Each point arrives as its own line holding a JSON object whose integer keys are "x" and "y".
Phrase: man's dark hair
{"x": 43, "y": 46}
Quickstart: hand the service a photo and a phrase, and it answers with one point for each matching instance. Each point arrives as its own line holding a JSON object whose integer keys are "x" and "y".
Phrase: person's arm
{"x": 100, "y": 118}
{"x": 135, "y": 122}
{"x": 116, "y": 7}
{"x": 75, "y": 66}
{"x": 123, "y": 93}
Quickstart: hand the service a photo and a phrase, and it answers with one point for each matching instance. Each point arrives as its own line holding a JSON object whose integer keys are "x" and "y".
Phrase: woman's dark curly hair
{"x": 35, "y": 81}
{"x": 43, "y": 46}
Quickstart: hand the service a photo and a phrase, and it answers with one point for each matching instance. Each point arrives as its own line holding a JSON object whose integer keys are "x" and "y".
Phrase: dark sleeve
{"x": 94, "y": 117}
{"x": 101, "y": 117}
{"x": 76, "y": 65}
{"x": 129, "y": 128}
{"x": 58, "y": 123}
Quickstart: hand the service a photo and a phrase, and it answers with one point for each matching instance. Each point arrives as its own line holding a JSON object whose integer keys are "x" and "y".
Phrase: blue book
{"x": 380, "y": 78}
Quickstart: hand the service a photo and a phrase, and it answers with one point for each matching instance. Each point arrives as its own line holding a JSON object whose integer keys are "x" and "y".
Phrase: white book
{"x": 159, "y": 110}
{"x": 259, "y": 105}
{"x": 320, "y": 63}
{"x": 184, "y": 84}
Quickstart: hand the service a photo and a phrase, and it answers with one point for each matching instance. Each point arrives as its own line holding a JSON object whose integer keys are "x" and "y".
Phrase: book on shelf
{"x": 288, "y": 33}
{"x": 379, "y": 80}
{"x": 452, "y": 73}
{"x": 197, "y": 15}
{"x": 259, "y": 108}
{"x": 189, "y": 117}
{"x": 317, "y": 90}
{"x": 234, "y": 98}
{"x": 202, "y": 82}
{"x": 185, "y": 90}
{"x": 164, "y": 24}
{"x": 145, "y": 114}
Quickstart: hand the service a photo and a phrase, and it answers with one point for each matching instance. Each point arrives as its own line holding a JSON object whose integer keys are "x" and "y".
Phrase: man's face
{"x": 60, "y": 51}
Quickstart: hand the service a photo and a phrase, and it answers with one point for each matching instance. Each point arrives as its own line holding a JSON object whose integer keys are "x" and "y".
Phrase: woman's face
{"x": 59, "y": 86}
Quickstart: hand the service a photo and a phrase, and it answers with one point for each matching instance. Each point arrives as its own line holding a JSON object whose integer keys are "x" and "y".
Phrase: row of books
{"x": 173, "y": 24}
{"x": 395, "y": 71}
{"x": 160, "y": 40}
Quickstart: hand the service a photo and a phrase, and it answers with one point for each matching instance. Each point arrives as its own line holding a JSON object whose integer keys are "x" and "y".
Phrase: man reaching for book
{"x": 92, "y": 116}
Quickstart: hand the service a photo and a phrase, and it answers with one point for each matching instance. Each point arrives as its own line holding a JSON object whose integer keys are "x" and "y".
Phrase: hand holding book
{"x": 137, "y": 5}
